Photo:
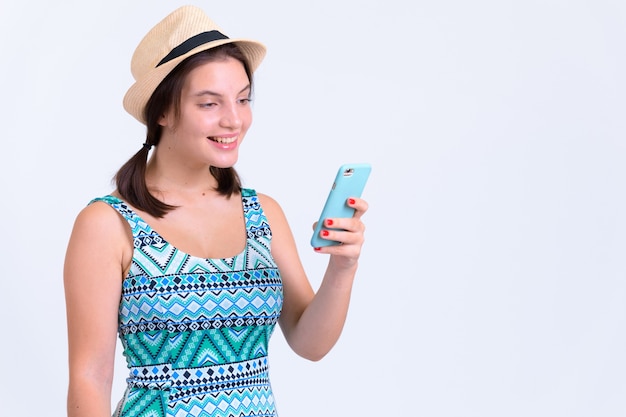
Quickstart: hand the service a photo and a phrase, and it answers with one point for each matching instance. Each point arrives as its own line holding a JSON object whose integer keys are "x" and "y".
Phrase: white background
{"x": 492, "y": 281}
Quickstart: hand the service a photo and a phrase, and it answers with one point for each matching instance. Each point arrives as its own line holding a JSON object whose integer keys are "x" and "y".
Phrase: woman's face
{"x": 215, "y": 115}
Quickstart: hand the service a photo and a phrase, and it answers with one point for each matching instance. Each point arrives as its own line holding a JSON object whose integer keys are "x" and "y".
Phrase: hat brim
{"x": 139, "y": 93}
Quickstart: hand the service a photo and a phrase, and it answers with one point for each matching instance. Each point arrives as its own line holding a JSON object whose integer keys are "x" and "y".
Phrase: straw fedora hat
{"x": 184, "y": 32}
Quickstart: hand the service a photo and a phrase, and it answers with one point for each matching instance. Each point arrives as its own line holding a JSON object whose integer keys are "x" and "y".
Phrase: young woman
{"x": 188, "y": 268}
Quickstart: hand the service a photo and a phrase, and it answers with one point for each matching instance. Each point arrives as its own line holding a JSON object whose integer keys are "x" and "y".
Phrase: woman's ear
{"x": 163, "y": 120}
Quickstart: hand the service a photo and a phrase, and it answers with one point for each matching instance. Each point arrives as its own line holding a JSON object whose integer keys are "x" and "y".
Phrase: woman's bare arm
{"x": 96, "y": 254}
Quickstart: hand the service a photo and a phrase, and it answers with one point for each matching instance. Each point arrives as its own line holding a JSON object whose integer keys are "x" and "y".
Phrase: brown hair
{"x": 131, "y": 177}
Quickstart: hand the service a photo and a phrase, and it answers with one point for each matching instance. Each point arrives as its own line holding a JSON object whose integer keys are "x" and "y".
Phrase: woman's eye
{"x": 245, "y": 100}
{"x": 208, "y": 104}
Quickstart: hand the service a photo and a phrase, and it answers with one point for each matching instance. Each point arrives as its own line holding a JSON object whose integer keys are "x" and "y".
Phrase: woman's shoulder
{"x": 267, "y": 202}
{"x": 100, "y": 236}
{"x": 272, "y": 209}
{"x": 109, "y": 199}
{"x": 264, "y": 199}
{"x": 98, "y": 216}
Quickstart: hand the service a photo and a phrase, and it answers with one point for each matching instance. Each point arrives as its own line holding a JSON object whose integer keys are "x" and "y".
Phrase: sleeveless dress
{"x": 195, "y": 331}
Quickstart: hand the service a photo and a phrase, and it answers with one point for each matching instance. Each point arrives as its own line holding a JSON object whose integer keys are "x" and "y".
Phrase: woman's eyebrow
{"x": 213, "y": 93}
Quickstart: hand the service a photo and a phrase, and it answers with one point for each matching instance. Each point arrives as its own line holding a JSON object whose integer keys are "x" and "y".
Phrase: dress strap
{"x": 143, "y": 234}
{"x": 257, "y": 226}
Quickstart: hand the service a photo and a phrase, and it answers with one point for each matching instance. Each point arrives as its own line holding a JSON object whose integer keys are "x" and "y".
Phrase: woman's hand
{"x": 350, "y": 235}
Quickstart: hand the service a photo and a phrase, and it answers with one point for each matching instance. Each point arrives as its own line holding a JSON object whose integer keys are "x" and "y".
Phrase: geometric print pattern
{"x": 195, "y": 331}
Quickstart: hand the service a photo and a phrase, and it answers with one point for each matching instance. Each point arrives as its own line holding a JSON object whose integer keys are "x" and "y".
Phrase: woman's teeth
{"x": 222, "y": 140}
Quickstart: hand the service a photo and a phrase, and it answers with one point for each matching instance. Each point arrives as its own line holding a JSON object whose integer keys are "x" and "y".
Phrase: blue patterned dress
{"x": 195, "y": 331}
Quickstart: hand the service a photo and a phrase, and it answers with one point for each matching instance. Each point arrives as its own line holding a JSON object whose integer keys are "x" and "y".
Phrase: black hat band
{"x": 191, "y": 43}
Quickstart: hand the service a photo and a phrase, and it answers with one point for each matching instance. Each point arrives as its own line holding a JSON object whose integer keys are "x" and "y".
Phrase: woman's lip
{"x": 223, "y": 139}
{"x": 227, "y": 145}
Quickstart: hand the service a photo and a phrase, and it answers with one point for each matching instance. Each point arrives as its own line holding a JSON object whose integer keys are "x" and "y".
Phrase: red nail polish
{"x": 351, "y": 201}
{"x": 316, "y": 249}
{"x": 324, "y": 232}
{"x": 329, "y": 222}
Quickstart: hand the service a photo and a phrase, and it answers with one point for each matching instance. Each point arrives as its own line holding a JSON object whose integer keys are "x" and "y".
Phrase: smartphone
{"x": 349, "y": 182}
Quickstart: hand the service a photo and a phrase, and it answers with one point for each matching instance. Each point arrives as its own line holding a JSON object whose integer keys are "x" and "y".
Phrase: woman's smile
{"x": 225, "y": 143}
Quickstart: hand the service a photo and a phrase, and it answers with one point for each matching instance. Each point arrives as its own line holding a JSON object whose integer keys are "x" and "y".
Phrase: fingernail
{"x": 329, "y": 222}
{"x": 324, "y": 232}
{"x": 351, "y": 201}
{"x": 316, "y": 249}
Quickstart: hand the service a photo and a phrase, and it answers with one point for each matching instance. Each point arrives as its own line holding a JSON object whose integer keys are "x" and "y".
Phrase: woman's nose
{"x": 231, "y": 117}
